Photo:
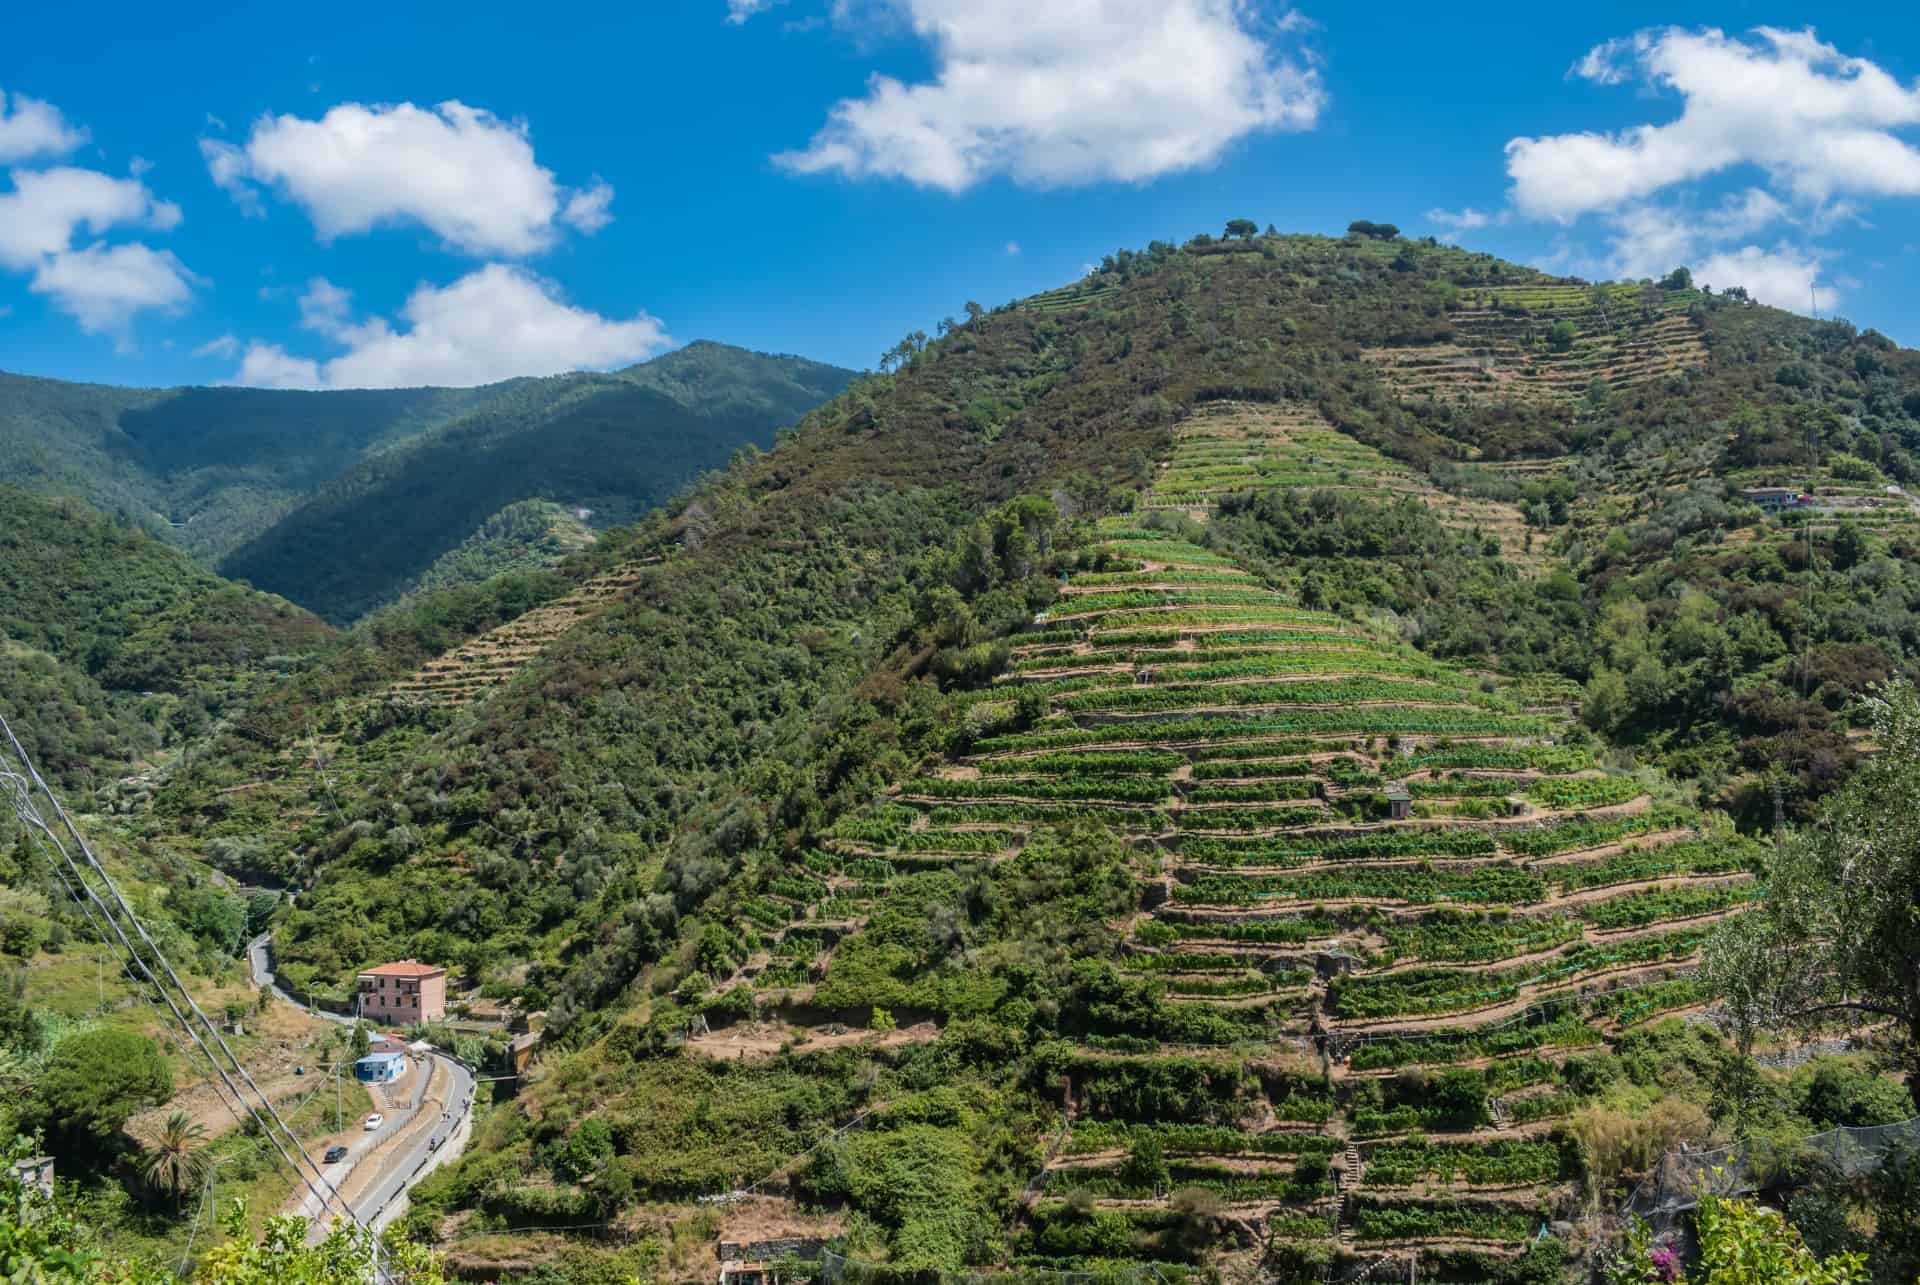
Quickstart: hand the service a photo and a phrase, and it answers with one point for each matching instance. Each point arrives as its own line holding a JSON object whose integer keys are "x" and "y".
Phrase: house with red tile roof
{"x": 403, "y": 993}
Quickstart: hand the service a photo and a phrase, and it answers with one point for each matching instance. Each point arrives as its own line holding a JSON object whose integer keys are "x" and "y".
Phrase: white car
{"x": 374, "y": 1121}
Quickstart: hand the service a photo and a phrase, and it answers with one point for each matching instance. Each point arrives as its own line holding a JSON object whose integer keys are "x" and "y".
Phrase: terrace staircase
{"x": 475, "y": 668}
{"x": 1351, "y": 1167}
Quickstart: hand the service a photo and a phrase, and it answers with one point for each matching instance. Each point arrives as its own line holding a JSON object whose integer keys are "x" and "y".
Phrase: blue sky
{"x": 399, "y": 196}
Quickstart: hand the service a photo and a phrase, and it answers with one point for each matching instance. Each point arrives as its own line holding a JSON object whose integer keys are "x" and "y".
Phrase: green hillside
{"x": 525, "y": 535}
{"x": 613, "y": 444}
{"x": 114, "y": 644}
{"x": 204, "y": 468}
{"x": 1224, "y": 770}
{"x": 224, "y": 473}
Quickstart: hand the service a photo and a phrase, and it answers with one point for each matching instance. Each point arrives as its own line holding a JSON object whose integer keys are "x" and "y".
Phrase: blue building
{"x": 378, "y": 1068}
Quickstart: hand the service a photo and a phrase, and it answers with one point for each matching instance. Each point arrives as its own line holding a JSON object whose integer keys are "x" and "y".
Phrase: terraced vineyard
{"x": 470, "y": 671}
{"x": 1381, "y": 901}
{"x": 1233, "y": 446}
{"x": 1504, "y": 346}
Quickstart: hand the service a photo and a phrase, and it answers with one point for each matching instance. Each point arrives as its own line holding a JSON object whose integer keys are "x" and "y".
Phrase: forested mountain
{"x": 205, "y": 468}
{"x": 1225, "y": 768}
{"x": 614, "y": 445}
{"x": 112, "y": 643}
{"x": 258, "y": 477}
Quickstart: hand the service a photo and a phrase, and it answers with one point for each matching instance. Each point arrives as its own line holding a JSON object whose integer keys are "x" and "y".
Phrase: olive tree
{"x": 1839, "y": 930}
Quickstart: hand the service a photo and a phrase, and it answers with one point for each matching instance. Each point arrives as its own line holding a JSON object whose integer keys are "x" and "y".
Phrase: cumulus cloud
{"x": 32, "y": 128}
{"x": 1651, "y": 240}
{"x": 1818, "y": 122}
{"x": 1072, "y": 91}
{"x": 590, "y": 209}
{"x": 494, "y": 323}
{"x": 461, "y": 172}
{"x": 47, "y": 208}
{"x": 325, "y": 308}
{"x": 270, "y": 366}
{"x": 738, "y": 11}
{"x": 1783, "y": 276}
{"x": 101, "y": 286}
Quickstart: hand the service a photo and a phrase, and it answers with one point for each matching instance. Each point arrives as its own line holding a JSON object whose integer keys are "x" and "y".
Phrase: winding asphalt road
{"x": 380, "y": 1194}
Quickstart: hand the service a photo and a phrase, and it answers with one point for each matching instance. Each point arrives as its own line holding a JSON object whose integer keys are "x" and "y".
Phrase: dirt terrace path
{"x": 753, "y": 1041}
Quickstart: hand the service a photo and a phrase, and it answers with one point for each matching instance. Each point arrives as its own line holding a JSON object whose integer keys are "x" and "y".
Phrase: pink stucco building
{"x": 404, "y": 993}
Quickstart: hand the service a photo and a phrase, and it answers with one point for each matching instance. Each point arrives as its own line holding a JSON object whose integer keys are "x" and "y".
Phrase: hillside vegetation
{"x": 113, "y": 644}
{"x": 1157, "y": 781}
{"x": 615, "y": 445}
{"x": 205, "y": 468}
{"x": 524, "y": 536}
{"x": 282, "y": 488}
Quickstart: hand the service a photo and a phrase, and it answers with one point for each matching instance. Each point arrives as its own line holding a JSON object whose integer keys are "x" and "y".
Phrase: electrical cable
{"x": 28, "y": 813}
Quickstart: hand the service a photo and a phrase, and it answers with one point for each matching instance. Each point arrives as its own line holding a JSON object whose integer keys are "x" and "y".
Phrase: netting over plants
{"x": 1682, "y": 1177}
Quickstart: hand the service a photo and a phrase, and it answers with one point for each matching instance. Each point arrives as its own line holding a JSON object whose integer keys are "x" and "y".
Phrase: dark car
{"x": 334, "y": 1153}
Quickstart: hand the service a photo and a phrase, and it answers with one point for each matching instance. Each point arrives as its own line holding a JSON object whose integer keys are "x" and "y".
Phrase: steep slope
{"x": 851, "y": 884}
{"x": 615, "y": 445}
{"x": 204, "y": 468}
{"x": 1298, "y": 940}
{"x": 525, "y": 535}
{"x": 113, "y": 642}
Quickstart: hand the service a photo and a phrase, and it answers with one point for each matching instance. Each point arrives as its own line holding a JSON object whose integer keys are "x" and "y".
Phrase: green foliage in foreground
{"x": 1836, "y": 933}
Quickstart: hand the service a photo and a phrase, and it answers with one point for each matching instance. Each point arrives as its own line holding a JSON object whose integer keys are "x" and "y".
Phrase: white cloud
{"x": 1783, "y": 276}
{"x": 1652, "y": 240}
{"x": 325, "y": 308}
{"x": 34, "y": 128}
{"x": 1609, "y": 63}
{"x": 103, "y": 286}
{"x": 224, "y": 347}
{"x": 1466, "y": 220}
{"x": 1746, "y": 213}
{"x": 227, "y": 165}
{"x": 589, "y": 208}
{"x": 1818, "y": 122}
{"x": 269, "y": 366}
{"x": 1013, "y": 249}
{"x": 494, "y": 323}
{"x": 459, "y": 171}
{"x": 48, "y": 207}
{"x": 1071, "y": 91}
{"x": 738, "y": 11}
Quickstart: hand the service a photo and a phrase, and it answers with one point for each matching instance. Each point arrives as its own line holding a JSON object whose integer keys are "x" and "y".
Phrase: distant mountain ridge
{"x": 282, "y": 487}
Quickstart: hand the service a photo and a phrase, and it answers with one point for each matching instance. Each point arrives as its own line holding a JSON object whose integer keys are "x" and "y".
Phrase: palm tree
{"x": 175, "y": 1160}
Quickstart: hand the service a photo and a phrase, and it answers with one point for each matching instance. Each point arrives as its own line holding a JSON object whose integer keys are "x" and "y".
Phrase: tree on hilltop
{"x": 1374, "y": 231}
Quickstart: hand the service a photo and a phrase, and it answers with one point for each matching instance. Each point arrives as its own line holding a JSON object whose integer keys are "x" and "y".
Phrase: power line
{"x": 102, "y": 901}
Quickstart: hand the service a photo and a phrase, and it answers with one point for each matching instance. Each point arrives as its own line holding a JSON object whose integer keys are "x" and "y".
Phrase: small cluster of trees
{"x": 1372, "y": 231}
